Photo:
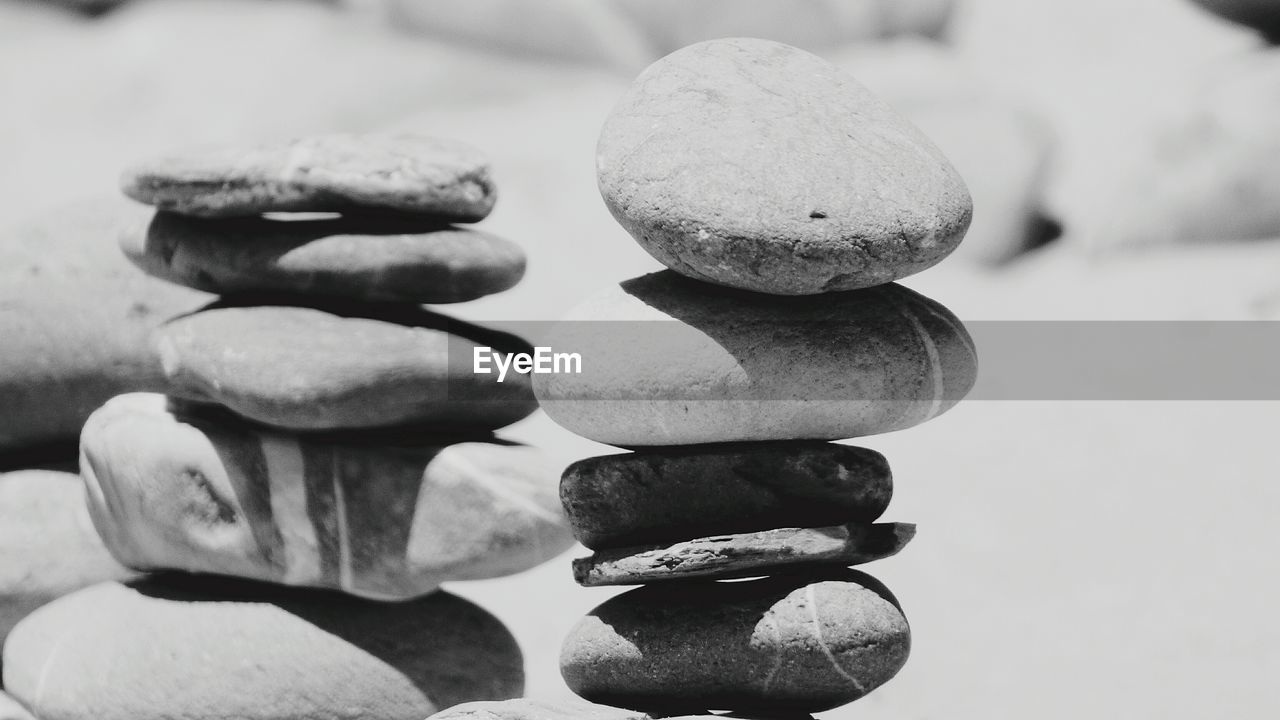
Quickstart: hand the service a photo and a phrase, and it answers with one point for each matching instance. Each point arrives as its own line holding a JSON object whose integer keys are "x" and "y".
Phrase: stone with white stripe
{"x": 683, "y": 362}
{"x": 403, "y": 172}
{"x": 779, "y": 645}
{"x": 370, "y": 515}
{"x": 757, "y": 165}
{"x": 203, "y": 648}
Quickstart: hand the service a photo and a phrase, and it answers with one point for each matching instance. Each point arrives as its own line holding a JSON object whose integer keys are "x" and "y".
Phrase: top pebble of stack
{"x": 753, "y": 164}
{"x": 404, "y": 173}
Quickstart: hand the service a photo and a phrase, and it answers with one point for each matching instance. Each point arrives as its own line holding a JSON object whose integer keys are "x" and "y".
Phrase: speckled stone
{"x": 368, "y": 517}
{"x": 530, "y": 709}
{"x": 312, "y": 369}
{"x": 677, "y": 493}
{"x": 684, "y": 362}
{"x": 780, "y": 644}
{"x": 327, "y": 173}
{"x": 380, "y": 260}
{"x": 756, "y": 165}
{"x": 745, "y": 555}
{"x": 213, "y": 649}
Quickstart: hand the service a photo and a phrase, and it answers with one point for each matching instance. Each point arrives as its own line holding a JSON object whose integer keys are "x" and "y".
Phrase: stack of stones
{"x": 323, "y": 451}
{"x": 785, "y": 199}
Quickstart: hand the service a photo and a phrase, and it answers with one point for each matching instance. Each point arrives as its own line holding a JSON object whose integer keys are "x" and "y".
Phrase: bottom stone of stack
{"x": 201, "y": 648}
{"x": 526, "y": 709}
{"x": 786, "y": 644}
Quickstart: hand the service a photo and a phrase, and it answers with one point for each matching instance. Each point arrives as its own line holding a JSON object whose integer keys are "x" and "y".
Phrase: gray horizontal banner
{"x": 918, "y": 358}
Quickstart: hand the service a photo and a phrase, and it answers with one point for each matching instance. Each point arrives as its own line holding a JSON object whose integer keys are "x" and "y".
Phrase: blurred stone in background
{"x": 1264, "y": 15}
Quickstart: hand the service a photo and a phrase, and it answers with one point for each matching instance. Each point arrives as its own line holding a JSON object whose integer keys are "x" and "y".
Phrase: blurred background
{"x": 1074, "y": 559}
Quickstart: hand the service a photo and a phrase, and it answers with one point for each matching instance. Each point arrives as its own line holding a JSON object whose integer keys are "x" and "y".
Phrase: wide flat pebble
{"x": 532, "y": 709}
{"x": 210, "y": 649}
{"x": 676, "y": 493}
{"x": 684, "y": 362}
{"x": 756, "y": 165}
{"x": 311, "y": 369}
{"x": 403, "y": 172}
{"x": 373, "y": 518}
{"x": 383, "y": 260}
{"x": 48, "y": 546}
{"x": 744, "y": 555}
{"x": 781, "y": 644}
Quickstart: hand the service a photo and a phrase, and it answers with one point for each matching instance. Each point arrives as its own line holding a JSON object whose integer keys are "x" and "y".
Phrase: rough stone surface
{"x": 75, "y": 318}
{"x": 683, "y": 362}
{"x": 1262, "y": 15}
{"x": 752, "y": 164}
{"x": 781, "y": 644}
{"x": 311, "y": 369}
{"x": 48, "y": 546}
{"x": 665, "y": 494}
{"x": 404, "y": 172}
{"x": 363, "y": 259}
{"x": 211, "y": 649}
{"x": 372, "y": 518}
{"x": 744, "y": 555}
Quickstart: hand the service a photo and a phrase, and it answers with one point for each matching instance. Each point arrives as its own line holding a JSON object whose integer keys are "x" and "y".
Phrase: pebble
{"x": 381, "y": 260}
{"x": 310, "y": 369}
{"x": 403, "y": 172}
{"x": 682, "y": 362}
{"x": 11, "y": 710}
{"x": 211, "y": 649}
{"x": 48, "y": 546}
{"x": 75, "y": 321}
{"x": 371, "y": 518}
{"x": 776, "y": 645}
{"x": 1262, "y": 15}
{"x": 752, "y": 164}
{"x": 676, "y": 493}
{"x": 744, "y": 555}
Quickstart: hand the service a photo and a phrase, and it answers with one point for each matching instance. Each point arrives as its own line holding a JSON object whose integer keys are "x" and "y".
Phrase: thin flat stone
{"x": 403, "y": 172}
{"x": 368, "y": 259}
{"x": 745, "y": 555}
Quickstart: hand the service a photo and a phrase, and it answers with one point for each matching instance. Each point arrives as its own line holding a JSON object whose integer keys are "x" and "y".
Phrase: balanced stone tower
{"x": 785, "y": 199}
{"x": 322, "y": 450}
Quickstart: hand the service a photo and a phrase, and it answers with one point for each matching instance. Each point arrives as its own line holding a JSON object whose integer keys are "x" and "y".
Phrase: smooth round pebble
{"x": 48, "y": 545}
{"x": 683, "y": 362}
{"x": 745, "y": 555}
{"x": 212, "y": 649}
{"x": 780, "y": 644}
{"x": 756, "y": 165}
{"x": 402, "y": 172}
{"x": 382, "y": 260}
{"x": 374, "y": 518}
{"x": 311, "y": 369}
{"x": 665, "y": 494}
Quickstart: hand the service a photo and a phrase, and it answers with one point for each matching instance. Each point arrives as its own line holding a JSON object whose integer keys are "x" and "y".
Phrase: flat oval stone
{"x": 211, "y": 649}
{"x": 533, "y": 709}
{"x": 677, "y": 493}
{"x": 403, "y": 172}
{"x": 745, "y": 555}
{"x": 683, "y": 362}
{"x": 48, "y": 546}
{"x": 756, "y": 165}
{"x": 311, "y": 369}
{"x": 380, "y": 260}
{"x": 780, "y": 644}
{"x": 368, "y": 517}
